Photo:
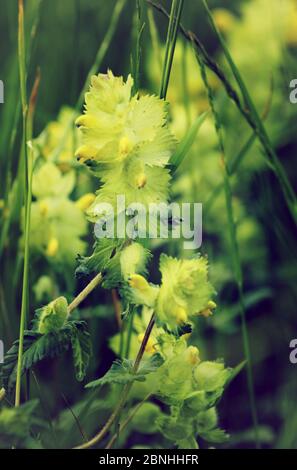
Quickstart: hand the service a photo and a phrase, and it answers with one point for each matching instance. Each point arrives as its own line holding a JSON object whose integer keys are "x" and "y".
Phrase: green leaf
{"x": 121, "y": 372}
{"x": 189, "y": 443}
{"x": 15, "y": 424}
{"x": 217, "y": 436}
{"x": 81, "y": 350}
{"x": 37, "y": 347}
{"x": 235, "y": 371}
{"x": 252, "y": 116}
{"x": 104, "y": 249}
{"x": 174, "y": 429}
{"x": 145, "y": 419}
{"x": 187, "y": 142}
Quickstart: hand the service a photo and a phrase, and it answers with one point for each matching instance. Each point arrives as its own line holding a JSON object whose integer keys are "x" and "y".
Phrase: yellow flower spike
{"x": 150, "y": 347}
{"x": 192, "y": 355}
{"x": 141, "y": 181}
{"x": 85, "y": 201}
{"x": 86, "y": 152}
{"x": 43, "y": 206}
{"x": 1, "y": 204}
{"x": 52, "y": 247}
{"x": 136, "y": 281}
{"x": 125, "y": 146}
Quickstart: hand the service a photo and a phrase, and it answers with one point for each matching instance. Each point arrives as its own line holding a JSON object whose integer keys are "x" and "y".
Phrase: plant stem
{"x": 247, "y": 109}
{"x": 174, "y": 20}
{"x": 125, "y": 393}
{"x": 234, "y": 248}
{"x": 27, "y": 185}
{"x": 126, "y": 422}
{"x": 85, "y": 292}
{"x": 129, "y": 334}
{"x": 104, "y": 45}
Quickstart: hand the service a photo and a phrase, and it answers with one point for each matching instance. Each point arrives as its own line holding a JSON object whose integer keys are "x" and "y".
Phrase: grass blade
{"x": 22, "y": 72}
{"x": 252, "y": 115}
{"x": 174, "y": 21}
{"x": 187, "y": 142}
{"x": 234, "y": 248}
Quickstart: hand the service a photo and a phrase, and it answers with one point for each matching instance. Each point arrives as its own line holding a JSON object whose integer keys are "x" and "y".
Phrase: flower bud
{"x": 53, "y": 316}
{"x": 210, "y": 376}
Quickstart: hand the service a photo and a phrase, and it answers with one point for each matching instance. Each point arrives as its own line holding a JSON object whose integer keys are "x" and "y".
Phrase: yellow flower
{"x": 185, "y": 289}
{"x": 85, "y": 201}
{"x": 52, "y": 247}
{"x": 142, "y": 292}
{"x": 192, "y": 355}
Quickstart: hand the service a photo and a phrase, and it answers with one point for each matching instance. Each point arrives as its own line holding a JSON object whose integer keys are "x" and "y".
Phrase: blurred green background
{"x": 262, "y": 36}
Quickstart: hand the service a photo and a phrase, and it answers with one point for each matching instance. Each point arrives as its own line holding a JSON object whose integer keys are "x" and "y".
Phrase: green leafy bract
{"x": 121, "y": 372}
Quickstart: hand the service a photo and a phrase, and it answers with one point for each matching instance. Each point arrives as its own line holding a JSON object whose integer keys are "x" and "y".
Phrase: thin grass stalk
{"x": 129, "y": 333}
{"x": 14, "y": 194}
{"x": 137, "y": 31}
{"x": 154, "y": 37}
{"x": 27, "y": 185}
{"x": 103, "y": 48}
{"x": 231, "y": 169}
{"x": 250, "y": 110}
{"x": 234, "y": 251}
{"x": 125, "y": 393}
{"x": 286, "y": 186}
{"x": 174, "y": 21}
{"x": 125, "y": 423}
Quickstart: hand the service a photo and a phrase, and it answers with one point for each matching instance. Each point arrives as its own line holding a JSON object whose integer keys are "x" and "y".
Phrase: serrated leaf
{"x": 121, "y": 372}
{"x": 15, "y": 423}
{"x": 36, "y": 348}
{"x": 81, "y": 351}
{"x": 174, "y": 429}
{"x": 189, "y": 443}
{"x": 217, "y": 436}
{"x": 98, "y": 261}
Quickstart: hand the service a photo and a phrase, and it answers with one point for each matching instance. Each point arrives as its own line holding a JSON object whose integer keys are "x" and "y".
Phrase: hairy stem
{"x": 85, "y": 292}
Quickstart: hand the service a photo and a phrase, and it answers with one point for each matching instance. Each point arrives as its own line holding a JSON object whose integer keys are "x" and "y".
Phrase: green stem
{"x": 28, "y": 194}
{"x": 126, "y": 422}
{"x": 104, "y": 45}
{"x": 85, "y": 292}
{"x": 234, "y": 249}
{"x": 125, "y": 393}
{"x": 129, "y": 334}
{"x": 174, "y": 21}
